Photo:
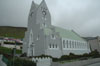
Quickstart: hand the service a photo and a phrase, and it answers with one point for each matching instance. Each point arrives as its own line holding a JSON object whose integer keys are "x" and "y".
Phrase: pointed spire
{"x": 32, "y": 0}
{"x": 43, "y": 0}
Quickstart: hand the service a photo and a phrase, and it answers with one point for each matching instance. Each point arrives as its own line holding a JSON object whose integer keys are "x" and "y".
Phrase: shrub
{"x": 71, "y": 56}
{"x": 9, "y": 50}
{"x": 42, "y": 56}
{"x": 23, "y": 55}
{"x": 94, "y": 54}
{"x": 21, "y": 62}
{"x": 55, "y": 59}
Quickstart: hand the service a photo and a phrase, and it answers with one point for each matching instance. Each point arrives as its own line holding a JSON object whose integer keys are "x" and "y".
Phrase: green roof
{"x": 64, "y": 33}
{"x": 70, "y": 34}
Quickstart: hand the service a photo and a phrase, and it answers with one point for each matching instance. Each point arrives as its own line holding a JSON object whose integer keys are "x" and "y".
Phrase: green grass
{"x": 16, "y": 32}
{"x": 8, "y": 50}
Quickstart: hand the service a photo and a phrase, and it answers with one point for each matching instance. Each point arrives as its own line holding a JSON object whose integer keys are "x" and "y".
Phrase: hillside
{"x": 16, "y": 32}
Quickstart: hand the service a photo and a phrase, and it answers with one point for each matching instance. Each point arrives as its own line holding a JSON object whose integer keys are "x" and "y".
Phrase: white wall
{"x": 45, "y": 61}
{"x": 74, "y": 46}
{"x": 12, "y": 46}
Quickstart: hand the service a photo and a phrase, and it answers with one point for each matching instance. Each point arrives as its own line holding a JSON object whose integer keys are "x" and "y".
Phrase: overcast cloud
{"x": 83, "y": 16}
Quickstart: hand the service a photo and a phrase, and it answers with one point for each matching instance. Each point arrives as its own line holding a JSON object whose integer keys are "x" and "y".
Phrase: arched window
{"x": 63, "y": 43}
{"x": 50, "y": 46}
{"x": 53, "y": 36}
{"x": 67, "y": 43}
{"x": 73, "y": 44}
{"x": 56, "y": 45}
{"x": 44, "y": 24}
{"x": 53, "y": 46}
{"x": 38, "y": 37}
{"x": 70, "y": 43}
{"x": 77, "y": 45}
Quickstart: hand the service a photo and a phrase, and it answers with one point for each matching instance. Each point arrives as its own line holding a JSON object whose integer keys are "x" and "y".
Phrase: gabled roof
{"x": 70, "y": 34}
{"x": 64, "y": 33}
{"x": 91, "y": 38}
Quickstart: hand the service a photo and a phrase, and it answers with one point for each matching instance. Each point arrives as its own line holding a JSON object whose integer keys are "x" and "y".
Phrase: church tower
{"x": 39, "y": 18}
{"x": 43, "y": 15}
{"x": 39, "y": 14}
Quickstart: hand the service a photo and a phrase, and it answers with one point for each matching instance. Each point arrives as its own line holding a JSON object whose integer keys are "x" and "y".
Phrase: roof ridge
{"x": 62, "y": 28}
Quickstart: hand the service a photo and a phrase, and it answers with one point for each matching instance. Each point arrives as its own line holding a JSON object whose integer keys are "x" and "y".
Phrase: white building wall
{"x": 74, "y": 46}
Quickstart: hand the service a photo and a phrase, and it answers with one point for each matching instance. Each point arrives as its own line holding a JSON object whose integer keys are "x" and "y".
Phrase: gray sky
{"x": 83, "y": 16}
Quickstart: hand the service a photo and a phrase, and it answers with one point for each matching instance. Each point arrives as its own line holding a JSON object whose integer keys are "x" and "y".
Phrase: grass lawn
{"x": 16, "y": 32}
{"x": 9, "y": 50}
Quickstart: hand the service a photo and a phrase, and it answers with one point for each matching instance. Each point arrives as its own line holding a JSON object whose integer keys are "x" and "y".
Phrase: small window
{"x": 50, "y": 45}
{"x": 77, "y": 45}
{"x": 67, "y": 43}
{"x": 64, "y": 43}
{"x": 70, "y": 43}
{"x": 56, "y": 45}
{"x": 45, "y": 18}
{"x": 53, "y": 46}
{"x": 38, "y": 37}
{"x": 73, "y": 44}
{"x": 53, "y": 36}
{"x": 44, "y": 24}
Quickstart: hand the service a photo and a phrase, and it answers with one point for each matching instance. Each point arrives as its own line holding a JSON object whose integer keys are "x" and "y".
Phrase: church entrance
{"x": 32, "y": 49}
{"x": 31, "y": 43}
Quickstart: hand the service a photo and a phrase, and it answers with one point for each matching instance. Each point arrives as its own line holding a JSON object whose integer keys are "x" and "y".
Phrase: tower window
{"x": 44, "y": 25}
{"x": 38, "y": 37}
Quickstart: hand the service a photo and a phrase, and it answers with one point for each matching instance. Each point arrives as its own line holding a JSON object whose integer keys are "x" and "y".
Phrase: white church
{"x": 42, "y": 38}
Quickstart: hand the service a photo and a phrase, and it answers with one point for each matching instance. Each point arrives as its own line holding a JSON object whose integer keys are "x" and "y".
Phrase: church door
{"x": 31, "y": 44}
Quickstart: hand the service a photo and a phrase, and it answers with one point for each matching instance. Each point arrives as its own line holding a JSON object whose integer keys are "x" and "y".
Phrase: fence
{"x": 44, "y": 61}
